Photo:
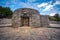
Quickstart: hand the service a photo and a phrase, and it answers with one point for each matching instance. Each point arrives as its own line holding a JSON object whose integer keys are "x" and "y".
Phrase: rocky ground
{"x": 28, "y": 33}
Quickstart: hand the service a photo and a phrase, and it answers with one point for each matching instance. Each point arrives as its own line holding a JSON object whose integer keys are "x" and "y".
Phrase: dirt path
{"x": 27, "y": 33}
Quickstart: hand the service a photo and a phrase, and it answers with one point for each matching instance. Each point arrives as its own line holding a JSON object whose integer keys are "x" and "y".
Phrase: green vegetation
{"x": 5, "y": 12}
{"x": 56, "y": 17}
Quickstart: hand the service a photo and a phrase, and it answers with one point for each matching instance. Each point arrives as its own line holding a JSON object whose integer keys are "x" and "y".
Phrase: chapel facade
{"x": 29, "y": 17}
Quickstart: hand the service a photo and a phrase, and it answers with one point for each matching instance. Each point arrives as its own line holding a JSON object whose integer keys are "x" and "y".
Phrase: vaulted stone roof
{"x": 27, "y": 10}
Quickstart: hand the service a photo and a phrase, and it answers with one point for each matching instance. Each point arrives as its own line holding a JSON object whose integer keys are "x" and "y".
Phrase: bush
{"x": 5, "y": 12}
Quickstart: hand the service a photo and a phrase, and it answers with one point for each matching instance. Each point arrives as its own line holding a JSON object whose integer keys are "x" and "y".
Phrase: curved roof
{"x": 28, "y": 9}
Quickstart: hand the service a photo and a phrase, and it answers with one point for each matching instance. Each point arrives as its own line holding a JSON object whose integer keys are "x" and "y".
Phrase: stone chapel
{"x": 29, "y": 17}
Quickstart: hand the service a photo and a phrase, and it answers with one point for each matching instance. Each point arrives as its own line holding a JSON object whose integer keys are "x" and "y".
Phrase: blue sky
{"x": 45, "y": 7}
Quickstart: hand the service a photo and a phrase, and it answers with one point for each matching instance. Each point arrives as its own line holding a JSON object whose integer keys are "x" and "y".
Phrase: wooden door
{"x": 25, "y": 21}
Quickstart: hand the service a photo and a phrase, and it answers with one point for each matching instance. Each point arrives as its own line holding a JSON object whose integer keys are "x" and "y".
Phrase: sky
{"x": 45, "y": 7}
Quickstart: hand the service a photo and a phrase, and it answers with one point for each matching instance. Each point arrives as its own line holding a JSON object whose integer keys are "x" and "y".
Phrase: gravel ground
{"x": 28, "y": 33}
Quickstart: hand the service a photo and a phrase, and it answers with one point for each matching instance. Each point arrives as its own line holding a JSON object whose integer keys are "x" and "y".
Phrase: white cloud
{"x": 52, "y": 14}
{"x": 29, "y": 5}
{"x": 48, "y": 7}
{"x": 57, "y": 2}
{"x": 42, "y": 5}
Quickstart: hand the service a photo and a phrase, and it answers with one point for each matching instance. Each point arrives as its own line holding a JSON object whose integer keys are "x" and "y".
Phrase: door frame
{"x": 22, "y": 21}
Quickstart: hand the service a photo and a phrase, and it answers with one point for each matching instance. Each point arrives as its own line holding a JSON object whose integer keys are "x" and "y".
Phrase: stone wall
{"x": 35, "y": 20}
{"x": 5, "y": 22}
{"x": 44, "y": 20}
{"x": 16, "y": 19}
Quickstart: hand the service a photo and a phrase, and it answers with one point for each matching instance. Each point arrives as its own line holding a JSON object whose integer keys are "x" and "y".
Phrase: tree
{"x": 57, "y": 18}
{"x": 5, "y": 12}
{"x": 1, "y": 11}
{"x": 51, "y": 18}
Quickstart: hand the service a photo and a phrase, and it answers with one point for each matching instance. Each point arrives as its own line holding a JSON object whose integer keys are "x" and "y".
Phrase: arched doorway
{"x": 25, "y": 21}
